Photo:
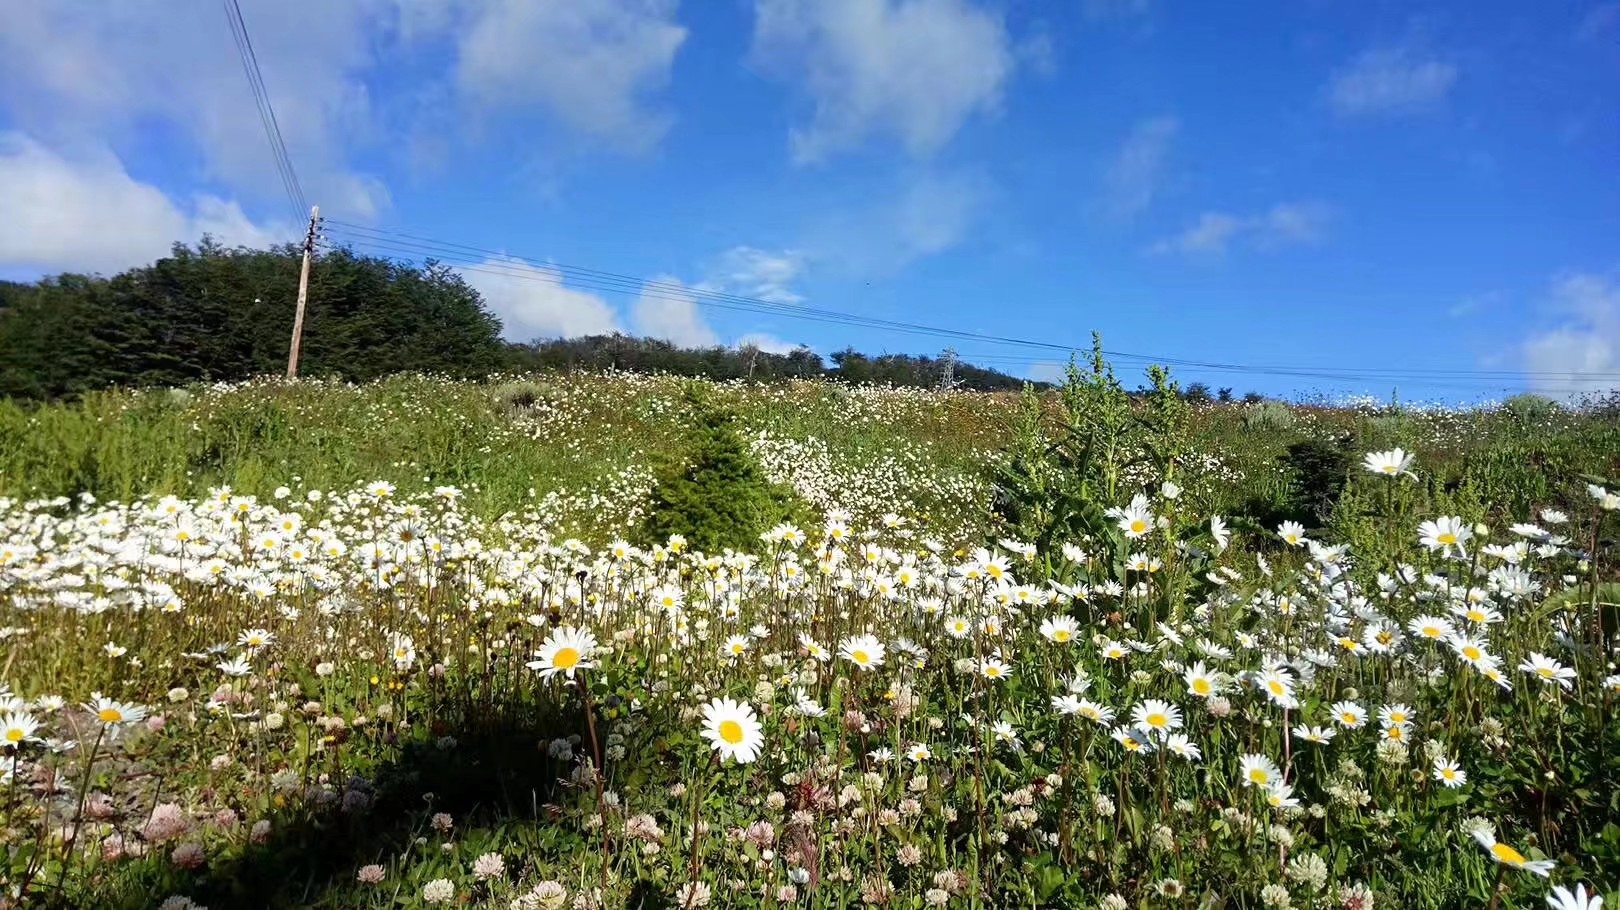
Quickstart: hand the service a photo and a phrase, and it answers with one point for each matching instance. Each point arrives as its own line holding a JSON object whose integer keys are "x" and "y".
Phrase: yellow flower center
{"x": 1544, "y": 672}
{"x": 859, "y": 656}
{"x": 1258, "y": 775}
{"x": 15, "y": 735}
{"x": 1447, "y": 538}
{"x": 565, "y": 658}
{"x": 1276, "y": 687}
{"x": 1471, "y": 652}
{"x": 1507, "y": 854}
{"x": 1060, "y": 635}
{"x": 110, "y": 715}
{"x": 1157, "y": 720}
{"x": 1201, "y": 686}
{"x": 1138, "y": 526}
{"x": 731, "y": 731}
{"x": 1348, "y": 718}
{"x": 1388, "y": 469}
{"x": 1448, "y": 774}
{"x": 1476, "y": 615}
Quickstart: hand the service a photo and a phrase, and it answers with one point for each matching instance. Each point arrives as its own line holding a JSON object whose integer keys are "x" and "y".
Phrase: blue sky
{"x": 1385, "y": 195}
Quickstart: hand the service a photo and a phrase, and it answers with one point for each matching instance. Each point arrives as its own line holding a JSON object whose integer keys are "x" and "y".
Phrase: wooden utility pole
{"x": 303, "y": 293}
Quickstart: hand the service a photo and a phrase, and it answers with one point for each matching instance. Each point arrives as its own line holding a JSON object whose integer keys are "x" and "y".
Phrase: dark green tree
{"x": 211, "y": 313}
{"x": 715, "y": 494}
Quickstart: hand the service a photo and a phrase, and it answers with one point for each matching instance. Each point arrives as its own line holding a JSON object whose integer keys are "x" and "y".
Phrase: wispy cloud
{"x": 595, "y": 65}
{"x": 1581, "y": 353}
{"x": 1136, "y": 174}
{"x": 533, "y": 303}
{"x": 667, "y": 310}
{"x": 926, "y": 213}
{"x": 1284, "y": 224}
{"x": 914, "y": 70}
{"x": 751, "y": 272}
{"x": 86, "y": 213}
{"x": 1390, "y": 81}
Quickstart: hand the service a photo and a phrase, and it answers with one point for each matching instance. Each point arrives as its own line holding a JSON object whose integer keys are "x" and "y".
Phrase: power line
{"x": 521, "y": 271}
{"x": 504, "y": 264}
{"x": 508, "y": 266}
{"x": 267, "y": 113}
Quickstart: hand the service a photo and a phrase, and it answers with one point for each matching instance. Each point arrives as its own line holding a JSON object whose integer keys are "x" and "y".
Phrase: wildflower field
{"x": 615, "y": 641}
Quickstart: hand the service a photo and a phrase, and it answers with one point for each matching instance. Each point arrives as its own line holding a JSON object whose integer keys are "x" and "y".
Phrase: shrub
{"x": 1529, "y": 408}
{"x": 1318, "y": 471}
{"x": 519, "y": 396}
{"x": 1266, "y": 416}
{"x": 715, "y": 496}
{"x": 1394, "y": 426}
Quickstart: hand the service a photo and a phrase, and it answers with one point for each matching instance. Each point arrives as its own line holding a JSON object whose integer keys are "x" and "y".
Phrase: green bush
{"x": 1318, "y": 471}
{"x": 516, "y": 397}
{"x": 1529, "y": 408}
{"x": 1267, "y": 416}
{"x": 715, "y": 496}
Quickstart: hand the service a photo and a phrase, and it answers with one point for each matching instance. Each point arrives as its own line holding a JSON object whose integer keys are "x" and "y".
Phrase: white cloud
{"x": 87, "y": 213}
{"x": 1284, "y": 224}
{"x": 117, "y": 74}
{"x": 1136, "y": 173}
{"x": 591, "y": 63}
{"x": 1390, "y": 80}
{"x": 1290, "y": 222}
{"x": 751, "y": 272}
{"x": 667, "y": 309}
{"x": 913, "y": 70}
{"x": 1583, "y": 349}
{"x": 770, "y": 344}
{"x": 533, "y": 303}
{"x": 1210, "y": 234}
{"x": 73, "y": 74}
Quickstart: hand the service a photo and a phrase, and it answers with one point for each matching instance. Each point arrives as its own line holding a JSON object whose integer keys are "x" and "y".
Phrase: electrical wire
{"x": 499, "y": 263}
{"x": 267, "y": 112}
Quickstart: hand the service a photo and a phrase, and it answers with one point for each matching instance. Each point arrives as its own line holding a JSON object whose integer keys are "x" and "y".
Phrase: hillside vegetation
{"x": 623, "y": 640}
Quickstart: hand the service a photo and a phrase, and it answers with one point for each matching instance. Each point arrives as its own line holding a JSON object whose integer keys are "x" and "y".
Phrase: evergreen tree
{"x": 715, "y": 495}
{"x": 213, "y": 313}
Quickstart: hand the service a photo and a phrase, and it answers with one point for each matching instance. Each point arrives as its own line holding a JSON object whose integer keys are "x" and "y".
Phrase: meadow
{"x": 431, "y": 642}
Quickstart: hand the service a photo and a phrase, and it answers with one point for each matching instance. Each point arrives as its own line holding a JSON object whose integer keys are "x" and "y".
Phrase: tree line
{"x": 647, "y": 355}
{"x": 209, "y": 313}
